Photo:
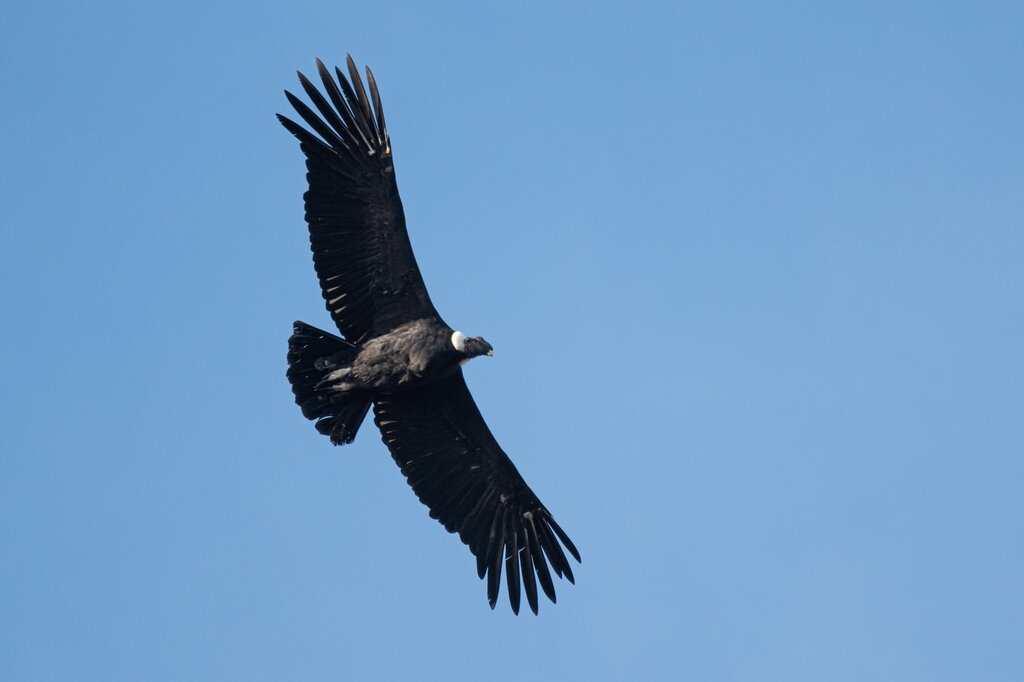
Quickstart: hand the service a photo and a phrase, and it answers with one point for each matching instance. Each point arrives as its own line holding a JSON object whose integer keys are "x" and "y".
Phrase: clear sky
{"x": 754, "y": 279}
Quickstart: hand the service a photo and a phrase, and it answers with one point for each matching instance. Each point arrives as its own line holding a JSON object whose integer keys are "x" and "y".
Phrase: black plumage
{"x": 397, "y": 354}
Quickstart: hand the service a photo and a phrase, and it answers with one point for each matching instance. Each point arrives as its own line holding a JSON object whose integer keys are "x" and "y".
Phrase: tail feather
{"x": 317, "y": 363}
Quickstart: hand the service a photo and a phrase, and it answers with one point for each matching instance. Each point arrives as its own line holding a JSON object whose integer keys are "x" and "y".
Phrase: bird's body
{"x": 397, "y": 354}
{"x": 415, "y": 353}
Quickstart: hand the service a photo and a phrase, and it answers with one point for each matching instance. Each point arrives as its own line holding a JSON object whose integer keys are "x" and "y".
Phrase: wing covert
{"x": 361, "y": 250}
{"x": 440, "y": 441}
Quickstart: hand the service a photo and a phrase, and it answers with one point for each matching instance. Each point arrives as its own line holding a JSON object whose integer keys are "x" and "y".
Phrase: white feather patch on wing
{"x": 459, "y": 341}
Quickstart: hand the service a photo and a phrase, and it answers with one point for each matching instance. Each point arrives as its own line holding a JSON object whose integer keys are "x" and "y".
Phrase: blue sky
{"x": 754, "y": 281}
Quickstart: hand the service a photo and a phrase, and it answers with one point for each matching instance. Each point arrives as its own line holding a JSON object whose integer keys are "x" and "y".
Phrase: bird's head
{"x": 471, "y": 346}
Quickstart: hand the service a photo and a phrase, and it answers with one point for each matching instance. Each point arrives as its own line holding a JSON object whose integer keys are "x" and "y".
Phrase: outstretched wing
{"x": 361, "y": 250}
{"x": 455, "y": 466}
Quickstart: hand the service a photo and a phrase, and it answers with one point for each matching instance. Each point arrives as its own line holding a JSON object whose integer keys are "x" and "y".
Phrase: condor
{"x": 397, "y": 354}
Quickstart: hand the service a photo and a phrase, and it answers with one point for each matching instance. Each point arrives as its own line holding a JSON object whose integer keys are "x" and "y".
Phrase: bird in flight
{"x": 397, "y": 354}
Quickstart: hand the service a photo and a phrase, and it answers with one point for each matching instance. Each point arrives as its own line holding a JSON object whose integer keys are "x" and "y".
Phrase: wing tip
{"x": 522, "y": 548}
{"x": 360, "y": 120}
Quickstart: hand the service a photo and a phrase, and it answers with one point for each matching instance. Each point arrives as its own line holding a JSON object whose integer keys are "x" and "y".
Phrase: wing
{"x": 455, "y": 466}
{"x": 361, "y": 250}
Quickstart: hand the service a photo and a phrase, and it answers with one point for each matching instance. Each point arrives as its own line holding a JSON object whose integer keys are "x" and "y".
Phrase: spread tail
{"x": 317, "y": 365}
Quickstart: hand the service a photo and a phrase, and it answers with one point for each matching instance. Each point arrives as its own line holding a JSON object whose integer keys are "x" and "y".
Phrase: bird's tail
{"x": 318, "y": 366}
